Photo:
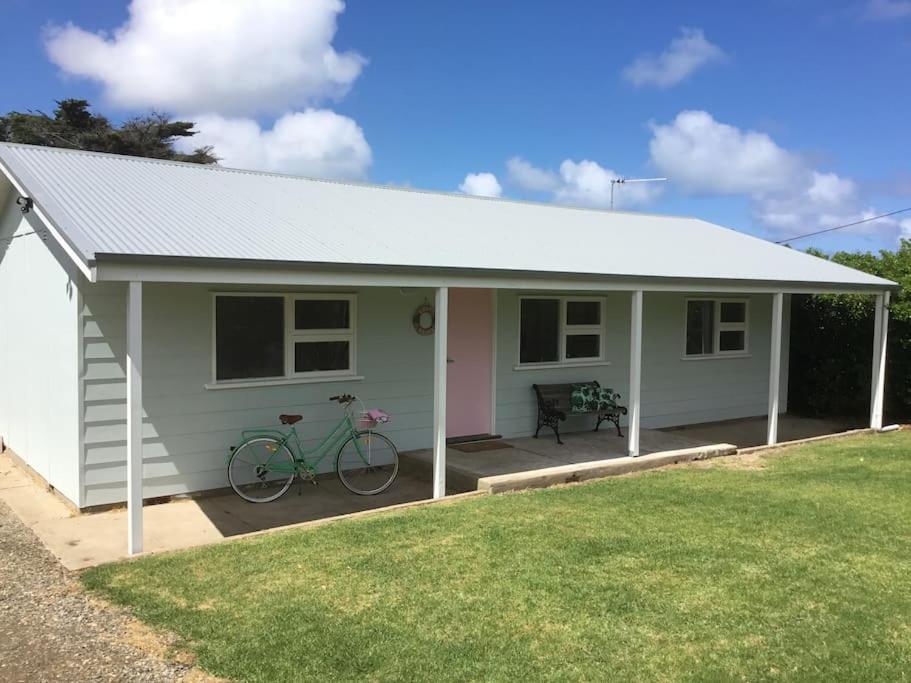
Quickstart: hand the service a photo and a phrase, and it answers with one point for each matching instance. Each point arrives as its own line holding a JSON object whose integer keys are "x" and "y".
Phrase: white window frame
{"x": 719, "y": 328}
{"x": 293, "y": 335}
{"x": 566, "y": 330}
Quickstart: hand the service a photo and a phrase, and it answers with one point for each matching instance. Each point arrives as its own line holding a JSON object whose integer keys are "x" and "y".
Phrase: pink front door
{"x": 470, "y": 356}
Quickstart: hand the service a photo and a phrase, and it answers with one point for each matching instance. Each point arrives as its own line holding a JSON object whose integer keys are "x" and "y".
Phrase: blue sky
{"x": 776, "y": 118}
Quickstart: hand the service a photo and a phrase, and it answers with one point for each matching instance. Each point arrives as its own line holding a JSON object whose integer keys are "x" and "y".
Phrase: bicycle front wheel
{"x": 367, "y": 463}
{"x": 261, "y": 470}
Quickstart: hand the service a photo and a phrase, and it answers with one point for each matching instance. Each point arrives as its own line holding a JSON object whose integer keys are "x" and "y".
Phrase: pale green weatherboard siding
{"x": 39, "y": 364}
{"x": 188, "y": 429}
{"x": 674, "y": 391}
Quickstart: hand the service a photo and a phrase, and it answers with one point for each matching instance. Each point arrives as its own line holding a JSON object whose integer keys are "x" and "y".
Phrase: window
{"x": 716, "y": 327}
{"x": 323, "y": 335}
{"x": 249, "y": 337}
{"x": 540, "y": 331}
{"x": 275, "y": 336}
{"x": 560, "y": 330}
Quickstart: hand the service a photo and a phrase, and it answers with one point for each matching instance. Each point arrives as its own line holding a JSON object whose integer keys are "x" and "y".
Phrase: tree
{"x": 74, "y": 126}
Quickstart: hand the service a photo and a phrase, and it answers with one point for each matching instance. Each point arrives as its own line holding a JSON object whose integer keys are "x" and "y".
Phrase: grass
{"x": 791, "y": 566}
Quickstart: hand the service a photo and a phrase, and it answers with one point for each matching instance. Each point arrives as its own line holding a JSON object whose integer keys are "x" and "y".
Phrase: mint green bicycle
{"x": 263, "y": 467}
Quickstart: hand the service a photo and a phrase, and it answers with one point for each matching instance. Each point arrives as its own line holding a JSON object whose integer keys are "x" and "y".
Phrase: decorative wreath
{"x": 424, "y": 319}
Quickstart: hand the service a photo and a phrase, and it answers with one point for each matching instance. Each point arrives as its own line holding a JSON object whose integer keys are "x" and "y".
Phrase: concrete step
{"x": 420, "y": 468}
{"x": 419, "y": 464}
{"x": 564, "y": 474}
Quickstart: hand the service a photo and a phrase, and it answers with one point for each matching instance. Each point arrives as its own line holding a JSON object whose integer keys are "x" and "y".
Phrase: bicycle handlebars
{"x": 344, "y": 398}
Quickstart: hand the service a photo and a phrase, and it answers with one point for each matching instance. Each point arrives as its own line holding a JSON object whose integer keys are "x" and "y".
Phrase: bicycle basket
{"x": 370, "y": 419}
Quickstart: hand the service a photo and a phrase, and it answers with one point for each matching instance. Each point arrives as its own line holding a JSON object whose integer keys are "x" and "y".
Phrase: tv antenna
{"x": 623, "y": 181}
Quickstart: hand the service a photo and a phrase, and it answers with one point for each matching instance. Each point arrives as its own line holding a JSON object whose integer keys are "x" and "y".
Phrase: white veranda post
{"x": 880, "y": 337}
{"x": 635, "y": 373}
{"x": 775, "y": 367}
{"x": 134, "y": 418}
{"x": 440, "y": 333}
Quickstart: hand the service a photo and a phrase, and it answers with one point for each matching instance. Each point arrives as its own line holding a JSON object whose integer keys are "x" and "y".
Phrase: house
{"x": 150, "y": 310}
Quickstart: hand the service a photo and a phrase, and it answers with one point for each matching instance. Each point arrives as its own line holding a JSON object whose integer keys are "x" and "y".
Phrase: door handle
{"x": 450, "y": 360}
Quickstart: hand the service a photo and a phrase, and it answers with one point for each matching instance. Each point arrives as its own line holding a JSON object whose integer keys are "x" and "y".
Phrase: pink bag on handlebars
{"x": 373, "y": 417}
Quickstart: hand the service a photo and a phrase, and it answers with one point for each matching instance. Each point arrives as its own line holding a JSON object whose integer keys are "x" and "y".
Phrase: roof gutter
{"x": 164, "y": 268}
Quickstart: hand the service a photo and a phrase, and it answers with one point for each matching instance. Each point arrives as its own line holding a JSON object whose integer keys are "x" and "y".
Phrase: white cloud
{"x": 888, "y": 9}
{"x": 580, "y": 183}
{"x": 799, "y": 213}
{"x": 830, "y": 189}
{"x": 315, "y": 142}
{"x": 236, "y": 57}
{"x": 701, "y": 155}
{"x": 529, "y": 177}
{"x": 585, "y": 183}
{"x": 481, "y": 185}
{"x": 687, "y": 53}
{"x": 905, "y": 227}
{"x": 820, "y": 200}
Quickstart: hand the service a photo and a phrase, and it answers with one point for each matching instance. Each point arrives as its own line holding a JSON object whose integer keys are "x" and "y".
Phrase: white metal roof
{"x": 109, "y": 206}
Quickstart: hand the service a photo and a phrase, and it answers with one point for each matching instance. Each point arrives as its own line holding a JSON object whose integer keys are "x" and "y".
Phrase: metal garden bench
{"x": 555, "y": 402}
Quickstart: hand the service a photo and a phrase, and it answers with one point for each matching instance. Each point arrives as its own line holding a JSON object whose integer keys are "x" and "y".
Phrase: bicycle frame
{"x": 342, "y": 430}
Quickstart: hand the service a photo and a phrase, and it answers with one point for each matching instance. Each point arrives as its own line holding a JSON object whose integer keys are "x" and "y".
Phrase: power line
{"x": 846, "y": 225}
{"x": 15, "y": 237}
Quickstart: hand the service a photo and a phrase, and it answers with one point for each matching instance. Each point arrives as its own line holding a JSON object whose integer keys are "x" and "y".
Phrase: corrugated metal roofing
{"x": 116, "y": 205}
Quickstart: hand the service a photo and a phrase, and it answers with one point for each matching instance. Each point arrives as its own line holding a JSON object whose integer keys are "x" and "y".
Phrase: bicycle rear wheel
{"x": 261, "y": 470}
{"x": 367, "y": 463}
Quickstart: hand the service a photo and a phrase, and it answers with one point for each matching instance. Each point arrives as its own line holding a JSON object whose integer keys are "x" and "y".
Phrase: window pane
{"x": 540, "y": 330}
{"x": 583, "y": 345}
{"x": 700, "y": 327}
{"x": 321, "y": 355}
{"x": 249, "y": 337}
{"x": 729, "y": 340}
{"x": 733, "y": 312}
{"x": 583, "y": 313}
{"x": 321, "y": 314}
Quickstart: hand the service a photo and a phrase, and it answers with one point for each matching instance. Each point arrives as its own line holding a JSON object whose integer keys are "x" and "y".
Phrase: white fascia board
{"x": 283, "y": 275}
{"x": 76, "y": 258}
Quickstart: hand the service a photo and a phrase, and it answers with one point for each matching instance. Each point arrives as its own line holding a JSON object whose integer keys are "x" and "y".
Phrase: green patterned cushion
{"x": 590, "y": 398}
{"x": 607, "y": 399}
{"x": 582, "y": 399}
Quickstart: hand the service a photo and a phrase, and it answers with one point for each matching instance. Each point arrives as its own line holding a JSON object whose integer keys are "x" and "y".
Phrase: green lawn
{"x": 795, "y": 566}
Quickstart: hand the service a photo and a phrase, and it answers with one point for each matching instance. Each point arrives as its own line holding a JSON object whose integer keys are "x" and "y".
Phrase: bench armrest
{"x": 549, "y": 407}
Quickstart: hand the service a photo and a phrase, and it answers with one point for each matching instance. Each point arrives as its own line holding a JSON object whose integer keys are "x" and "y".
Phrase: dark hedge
{"x": 832, "y": 344}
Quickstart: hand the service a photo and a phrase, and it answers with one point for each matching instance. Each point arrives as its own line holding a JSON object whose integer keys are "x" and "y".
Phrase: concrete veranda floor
{"x": 82, "y": 540}
{"x": 750, "y": 432}
{"x": 464, "y": 470}
{"x": 525, "y": 454}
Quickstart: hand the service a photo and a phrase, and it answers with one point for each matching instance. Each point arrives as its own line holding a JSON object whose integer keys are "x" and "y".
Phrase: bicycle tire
{"x": 381, "y": 472}
{"x": 247, "y": 476}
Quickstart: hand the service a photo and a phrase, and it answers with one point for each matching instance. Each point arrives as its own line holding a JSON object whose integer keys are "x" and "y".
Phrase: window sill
{"x": 241, "y": 384}
{"x": 717, "y": 356}
{"x": 549, "y": 366}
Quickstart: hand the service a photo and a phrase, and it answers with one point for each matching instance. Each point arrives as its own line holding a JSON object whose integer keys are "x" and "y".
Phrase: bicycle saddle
{"x": 290, "y": 419}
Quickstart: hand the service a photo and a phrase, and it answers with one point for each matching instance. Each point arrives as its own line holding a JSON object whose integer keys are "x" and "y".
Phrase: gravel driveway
{"x": 51, "y": 630}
